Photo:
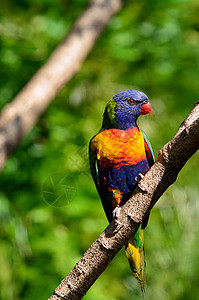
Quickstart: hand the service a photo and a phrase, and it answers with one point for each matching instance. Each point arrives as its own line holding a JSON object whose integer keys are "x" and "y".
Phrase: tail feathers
{"x": 135, "y": 254}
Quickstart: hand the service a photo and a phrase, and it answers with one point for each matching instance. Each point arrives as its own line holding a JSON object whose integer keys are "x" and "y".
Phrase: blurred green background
{"x": 150, "y": 45}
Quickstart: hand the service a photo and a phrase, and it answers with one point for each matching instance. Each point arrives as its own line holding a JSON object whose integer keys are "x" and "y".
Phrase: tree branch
{"x": 163, "y": 173}
{"x": 18, "y": 117}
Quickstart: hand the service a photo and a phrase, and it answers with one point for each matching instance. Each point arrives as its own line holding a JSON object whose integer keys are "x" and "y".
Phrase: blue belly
{"x": 122, "y": 178}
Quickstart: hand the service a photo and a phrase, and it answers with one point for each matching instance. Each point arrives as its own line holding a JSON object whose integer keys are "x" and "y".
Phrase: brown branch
{"x": 18, "y": 117}
{"x": 170, "y": 161}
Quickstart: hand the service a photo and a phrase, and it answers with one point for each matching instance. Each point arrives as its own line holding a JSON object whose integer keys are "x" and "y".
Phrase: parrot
{"x": 119, "y": 154}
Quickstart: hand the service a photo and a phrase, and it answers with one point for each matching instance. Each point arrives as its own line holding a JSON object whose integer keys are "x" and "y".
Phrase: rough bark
{"x": 18, "y": 117}
{"x": 163, "y": 173}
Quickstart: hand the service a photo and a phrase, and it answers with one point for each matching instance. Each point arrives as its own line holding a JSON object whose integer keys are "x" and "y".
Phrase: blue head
{"x": 124, "y": 108}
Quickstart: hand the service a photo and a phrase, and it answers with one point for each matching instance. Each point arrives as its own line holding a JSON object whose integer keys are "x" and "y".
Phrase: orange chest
{"x": 115, "y": 146}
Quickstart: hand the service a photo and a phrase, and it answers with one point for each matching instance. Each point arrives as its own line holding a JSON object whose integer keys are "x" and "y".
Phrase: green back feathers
{"x": 111, "y": 109}
{"x": 137, "y": 238}
{"x": 109, "y": 114}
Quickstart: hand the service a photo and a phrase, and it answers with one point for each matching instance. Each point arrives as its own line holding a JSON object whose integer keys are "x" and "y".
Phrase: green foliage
{"x": 150, "y": 45}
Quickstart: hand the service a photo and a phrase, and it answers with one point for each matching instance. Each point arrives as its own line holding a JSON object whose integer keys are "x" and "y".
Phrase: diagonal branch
{"x": 163, "y": 173}
{"x": 18, "y": 117}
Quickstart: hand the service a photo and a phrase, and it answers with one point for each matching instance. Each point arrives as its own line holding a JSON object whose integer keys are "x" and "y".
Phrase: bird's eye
{"x": 130, "y": 101}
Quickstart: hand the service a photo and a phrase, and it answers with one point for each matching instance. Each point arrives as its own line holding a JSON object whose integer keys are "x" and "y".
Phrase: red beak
{"x": 146, "y": 109}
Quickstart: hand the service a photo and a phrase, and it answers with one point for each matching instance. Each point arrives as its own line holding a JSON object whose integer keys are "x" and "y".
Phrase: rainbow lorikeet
{"x": 118, "y": 155}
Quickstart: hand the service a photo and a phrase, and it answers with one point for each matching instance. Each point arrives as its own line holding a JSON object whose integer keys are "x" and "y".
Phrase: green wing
{"x": 148, "y": 149}
{"x": 104, "y": 195}
{"x": 94, "y": 165}
{"x": 151, "y": 158}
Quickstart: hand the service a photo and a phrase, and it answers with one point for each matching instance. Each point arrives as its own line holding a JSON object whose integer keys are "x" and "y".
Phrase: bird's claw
{"x": 118, "y": 222}
{"x": 117, "y": 215}
{"x": 139, "y": 177}
{"x": 116, "y": 212}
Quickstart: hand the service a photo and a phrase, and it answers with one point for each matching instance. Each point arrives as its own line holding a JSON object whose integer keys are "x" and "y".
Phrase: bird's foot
{"x": 139, "y": 177}
{"x": 117, "y": 215}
